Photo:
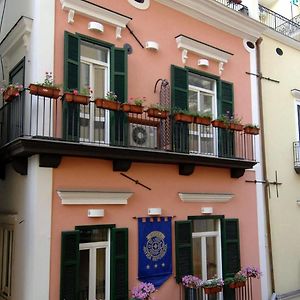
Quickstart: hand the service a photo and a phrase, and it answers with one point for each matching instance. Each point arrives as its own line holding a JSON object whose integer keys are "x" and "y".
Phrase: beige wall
{"x": 280, "y": 133}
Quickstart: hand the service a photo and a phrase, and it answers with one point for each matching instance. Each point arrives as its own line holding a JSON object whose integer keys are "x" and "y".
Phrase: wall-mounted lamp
{"x": 207, "y": 210}
{"x": 95, "y": 213}
{"x": 96, "y": 26}
{"x": 152, "y": 45}
{"x": 203, "y": 62}
{"x": 154, "y": 211}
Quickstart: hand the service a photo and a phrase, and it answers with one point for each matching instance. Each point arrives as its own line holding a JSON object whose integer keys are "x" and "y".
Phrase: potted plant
{"x": 183, "y": 115}
{"x": 221, "y": 122}
{"x": 47, "y": 88}
{"x": 109, "y": 102}
{"x": 252, "y": 272}
{"x": 10, "y": 91}
{"x": 135, "y": 105}
{"x": 157, "y": 111}
{"x": 251, "y": 129}
{"x": 143, "y": 291}
{"x": 239, "y": 280}
{"x": 191, "y": 283}
{"x": 213, "y": 285}
{"x": 202, "y": 118}
{"x": 80, "y": 97}
{"x": 235, "y": 123}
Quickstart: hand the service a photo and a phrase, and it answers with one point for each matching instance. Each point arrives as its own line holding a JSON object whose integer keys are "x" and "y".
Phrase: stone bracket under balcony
{"x": 51, "y": 151}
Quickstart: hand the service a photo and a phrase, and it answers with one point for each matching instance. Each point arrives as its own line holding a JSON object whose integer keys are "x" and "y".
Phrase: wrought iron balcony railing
{"x": 235, "y": 6}
{"x": 31, "y": 116}
{"x": 296, "y": 148}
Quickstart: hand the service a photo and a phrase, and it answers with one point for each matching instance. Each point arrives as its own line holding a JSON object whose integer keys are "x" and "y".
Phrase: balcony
{"x": 235, "y": 6}
{"x": 54, "y": 128}
{"x": 296, "y": 148}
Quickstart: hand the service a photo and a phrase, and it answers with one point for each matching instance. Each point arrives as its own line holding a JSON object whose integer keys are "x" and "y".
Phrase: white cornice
{"x": 17, "y": 37}
{"x": 94, "y": 12}
{"x": 220, "y": 16}
{"x": 86, "y": 197}
{"x": 205, "y": 197}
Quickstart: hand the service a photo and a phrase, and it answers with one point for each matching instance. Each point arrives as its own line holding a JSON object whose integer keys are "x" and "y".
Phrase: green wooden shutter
{"x": 119, "y": 127}
{"x": 69, "y": 265}
{"x": 225, "y": 107}
{"x": 71, "y": 81}
{"x": 184, "y": 249}
{"x": 179, "y": 95}
{"x": 119, "y": 264}
{"x": 230, "y": 252}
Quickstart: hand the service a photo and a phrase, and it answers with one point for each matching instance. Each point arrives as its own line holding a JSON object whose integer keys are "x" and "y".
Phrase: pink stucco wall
{"x": 160, "y": 24}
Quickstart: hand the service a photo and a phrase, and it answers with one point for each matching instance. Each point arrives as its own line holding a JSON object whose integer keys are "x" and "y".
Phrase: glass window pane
{"x": 207, "y": 145}
{"x": 84, "y": 128}
{"x": 193, "y": 101}
{"x": 94, "y": 51}
{"x": 84, "y": 75}
{"x": 100, "y": 274}
{"x": 89, "y": 235}
{"x": 206, "y": 103}
{"x": 84, "y": 274}
{"x": 201, "y": 81}
{"x": 203, "y": 225}
{"x": 99, "y": 84}
{"x": 211, "y": 257}
{"x": 193, "y": 142}
{"x": 99, "y": 131}
{"x": 197, "y": 257}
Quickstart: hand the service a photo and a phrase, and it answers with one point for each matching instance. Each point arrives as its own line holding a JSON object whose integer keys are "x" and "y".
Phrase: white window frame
{"x": 203, "y": 236}
{"x": 93, "y": 63}
{"x": 210, "y": 132}
{"x": 92, "y": 247}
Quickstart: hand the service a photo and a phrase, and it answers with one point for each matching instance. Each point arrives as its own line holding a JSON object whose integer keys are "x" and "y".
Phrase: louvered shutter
{"x": 179, "y": 95}
{"x": 119, "y": 264}
{"x": 225, "y": 107}
{"x": 230, "y": 252}
{"x": 71, "y": 81}
{"x": 119, "y": 128}
{"x": 69, "y": 265}
{"x": 184, "y": 249}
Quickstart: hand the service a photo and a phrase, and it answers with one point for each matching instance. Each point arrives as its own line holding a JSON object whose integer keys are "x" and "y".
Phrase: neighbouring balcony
{"x": 53, "y": 128}
{"x": 296, "y": 148}
{"x": 235, "y": 6}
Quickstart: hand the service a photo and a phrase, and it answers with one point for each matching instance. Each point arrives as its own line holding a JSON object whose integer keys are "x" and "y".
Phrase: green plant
{"x": 86, "y": 91}
{"x": 202, "y": 115}
{"x": 223, "y": 118}
{"x": 178, "y": 110}
{"x": 213, "y": 282}
{"x": 235, "y": 119}
{"x": 49, "y": 81}
{"x": 111, "y": 96}
{"x": 251, "y": 126}
{"x": 240, "y": 276}
{"x": 160, "y": 107}
{"x": 139, "y": 101}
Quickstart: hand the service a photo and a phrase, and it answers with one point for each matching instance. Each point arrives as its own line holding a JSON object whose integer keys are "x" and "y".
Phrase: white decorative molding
{"x": 118, "y": 32}
{"x": 138, "y": 5}
{"x": 96, "y": 26}
{"x": 79, "y": 197}
{"x": 296, "y": 93}
{"x": 205, "y": 197}
{"x": 184, "y": 56}
{"x": 18, "y": 37}
{"x": 95, "y": 12}
{"x": 221, "y": 67}
{"x": 218, "y": 15}
{"x": 202, "y": 49}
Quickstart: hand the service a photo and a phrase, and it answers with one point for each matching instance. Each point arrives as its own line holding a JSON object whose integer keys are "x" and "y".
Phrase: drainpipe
{"x": 264, "y": 168}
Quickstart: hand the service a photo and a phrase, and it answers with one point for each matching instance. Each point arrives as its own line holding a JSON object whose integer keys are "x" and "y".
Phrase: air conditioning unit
{"x": 142, "y": 136}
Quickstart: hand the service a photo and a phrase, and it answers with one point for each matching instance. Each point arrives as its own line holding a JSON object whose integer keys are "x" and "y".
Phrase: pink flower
{"x": 75, "y": 92}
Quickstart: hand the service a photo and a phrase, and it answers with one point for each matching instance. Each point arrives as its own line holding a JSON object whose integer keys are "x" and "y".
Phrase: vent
{"x": 142, "y": 136}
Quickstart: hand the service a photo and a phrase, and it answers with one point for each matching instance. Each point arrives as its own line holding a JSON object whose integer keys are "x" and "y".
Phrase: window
{"x": 102, "y": 67}
{"x": 6, "y": 253}
{"x": 94, "y": 263}
{"x": 206, "y": 246}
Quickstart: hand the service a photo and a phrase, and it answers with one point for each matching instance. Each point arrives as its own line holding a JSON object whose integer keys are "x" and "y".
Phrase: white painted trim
{"x": 94, "y": 12}
{"x": 144, "y": 5}
{"x": 79, "y": 197}
{"x": 219, "y": 16}
{"x": 205, "y": 197}
{"x": 202, "y": 49}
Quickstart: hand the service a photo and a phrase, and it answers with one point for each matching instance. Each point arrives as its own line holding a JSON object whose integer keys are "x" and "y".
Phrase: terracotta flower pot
{"x": 218, "y": 124}
{"x": 212, "y": 290}
{"x": 156, "y": 113}
{"x": 10, "y": 93}
{"x": 108, "y": 104}
{"x": 251, "y": 130}
{"x": 236, "y": 127}
{"x": 180, "y": 117}
{"x": 238, "y": 284}
{"x": 80, "y": 99}
{"x": 44, "y": 91}
{"x": 131, "y": 108}
{"x": 202, "y": 121}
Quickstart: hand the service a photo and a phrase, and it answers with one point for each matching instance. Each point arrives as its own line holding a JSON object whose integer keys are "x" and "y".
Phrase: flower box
{"x": 202, "y": 120}
{"x": 219, "y": 124}
{"x": 80, "y": 99}
{"x": 10, "y": 93}
{"x": 236, "y": 127}
{"x": 238, "y": 284}
{"x": 108, "y": 104}
{"x": 212, "y": 290}
{"x": 40, "y": 90}
{"x": 251, "y": 130}
{"x": 131, "y": 108}
{"x": 180, "y": 117}
{"x": 156, "y": 113}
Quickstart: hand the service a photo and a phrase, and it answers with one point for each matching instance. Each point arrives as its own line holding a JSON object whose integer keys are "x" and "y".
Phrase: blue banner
{"x": 155, "y": 250}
